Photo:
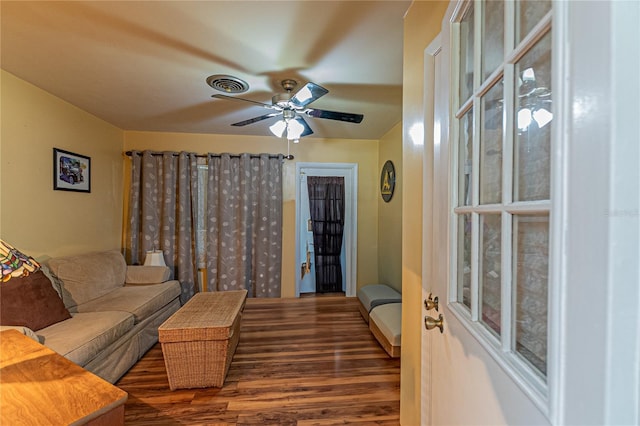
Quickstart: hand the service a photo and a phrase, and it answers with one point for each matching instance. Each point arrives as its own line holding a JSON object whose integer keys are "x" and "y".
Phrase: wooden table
{"x": 199, "y": 340}
{"x": 40, "y": 387}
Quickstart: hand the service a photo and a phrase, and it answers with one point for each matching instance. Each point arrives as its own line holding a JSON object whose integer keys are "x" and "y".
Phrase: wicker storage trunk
{"x": 199, "y": 340}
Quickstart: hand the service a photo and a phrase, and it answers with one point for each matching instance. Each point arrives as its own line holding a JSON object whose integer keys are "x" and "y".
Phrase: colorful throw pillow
{"x": 31, "y": 301}
{"x": 15, "y": 263}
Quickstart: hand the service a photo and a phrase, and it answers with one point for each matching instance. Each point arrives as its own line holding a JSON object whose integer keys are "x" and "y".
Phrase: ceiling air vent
{"x": 227, "y": 83}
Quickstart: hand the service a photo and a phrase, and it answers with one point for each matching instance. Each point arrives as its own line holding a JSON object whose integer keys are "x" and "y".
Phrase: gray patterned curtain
{"x": 162, "y": 213}
{"x": 244, "y": 223}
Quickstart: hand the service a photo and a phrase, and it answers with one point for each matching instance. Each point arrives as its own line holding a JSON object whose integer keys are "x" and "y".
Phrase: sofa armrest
{"x": 140, "y": 274}
{"x": 22, "y": 329}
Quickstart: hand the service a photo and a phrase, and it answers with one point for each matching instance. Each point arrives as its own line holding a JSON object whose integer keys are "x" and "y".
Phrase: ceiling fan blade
{"x": 307, "y": 130}
{"x": 334, "y": 115}
{"x": 243, "y": 100}
{"x": 255, "y": 119}
{"x": 309, "y": 93}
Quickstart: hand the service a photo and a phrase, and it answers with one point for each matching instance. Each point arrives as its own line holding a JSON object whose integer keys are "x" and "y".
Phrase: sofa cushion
{"x": 88, "y": 276}
{"x": 83, "y": 336}
{"x": 31, "y": 301}
{"x": 139, "y": 274}
{"x": 140, "y": 300}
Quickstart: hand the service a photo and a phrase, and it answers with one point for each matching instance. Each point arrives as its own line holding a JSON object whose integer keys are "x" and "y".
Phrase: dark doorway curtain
{"x": 326, "y": 202}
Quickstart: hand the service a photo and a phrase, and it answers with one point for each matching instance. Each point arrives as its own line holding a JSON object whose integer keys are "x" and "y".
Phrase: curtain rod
{"x": 286, "y": 157}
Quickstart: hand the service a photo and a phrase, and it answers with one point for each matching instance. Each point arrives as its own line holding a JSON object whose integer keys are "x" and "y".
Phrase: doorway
{"x": 305, "y": 264}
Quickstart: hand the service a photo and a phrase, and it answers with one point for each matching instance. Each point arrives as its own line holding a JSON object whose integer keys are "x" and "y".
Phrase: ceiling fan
{"x": 292, "y": 108}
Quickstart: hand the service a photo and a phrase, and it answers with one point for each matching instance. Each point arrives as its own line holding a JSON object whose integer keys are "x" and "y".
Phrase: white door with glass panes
{"x": 531, "y": 237}
{"x": 489, "y": 250}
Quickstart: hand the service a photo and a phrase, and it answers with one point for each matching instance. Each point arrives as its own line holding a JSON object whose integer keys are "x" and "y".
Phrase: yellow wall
{"x": 422, "y": 24}
{"x": 363, "y": 152}
{"x": 390, "y": 214}
{"x": 34, "y": 217}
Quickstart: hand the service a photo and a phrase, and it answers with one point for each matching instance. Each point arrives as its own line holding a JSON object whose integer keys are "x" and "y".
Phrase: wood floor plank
{"x": 308, "y": 361}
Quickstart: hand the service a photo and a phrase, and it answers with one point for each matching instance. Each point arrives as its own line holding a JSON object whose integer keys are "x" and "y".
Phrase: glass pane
{"x": 491, "y": 145}
{"x": 533, "y": 129}
{"x": 529, "y": 13}
{"x": 531, "y": 239}
{"x": 464, "y": 260}
{"x": 466, "y": 55}
{"x": 492, "y": 37}
{"x": 490, "y": 258}
{"x": 466, "y": 159}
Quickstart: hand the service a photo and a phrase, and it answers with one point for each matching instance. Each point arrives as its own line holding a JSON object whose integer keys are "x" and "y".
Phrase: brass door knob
{"x": 431, "y": 303}
{"x": 431, "y": 323}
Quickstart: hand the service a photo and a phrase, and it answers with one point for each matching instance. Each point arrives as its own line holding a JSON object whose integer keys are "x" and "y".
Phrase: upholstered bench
{"x": 385, "y": 322}
{"x": 372, "y": 295}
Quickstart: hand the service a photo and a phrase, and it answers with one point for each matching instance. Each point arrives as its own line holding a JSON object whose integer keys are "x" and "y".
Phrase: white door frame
{"x": 596, "y": 378}
{"x": 427, "y": 210}
{"x": 350, "y": 172}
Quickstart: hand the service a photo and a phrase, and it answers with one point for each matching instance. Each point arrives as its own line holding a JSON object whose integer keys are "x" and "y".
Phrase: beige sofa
{"x": 115, "y": 310}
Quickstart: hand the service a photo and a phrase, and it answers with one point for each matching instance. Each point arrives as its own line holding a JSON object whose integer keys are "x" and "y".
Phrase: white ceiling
{"x": 142, "y": 65}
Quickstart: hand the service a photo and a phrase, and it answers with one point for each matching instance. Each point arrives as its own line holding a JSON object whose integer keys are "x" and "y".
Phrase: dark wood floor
{"x": 307, "y": 361}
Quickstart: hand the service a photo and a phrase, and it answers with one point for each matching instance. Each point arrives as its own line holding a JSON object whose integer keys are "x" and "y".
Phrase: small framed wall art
{"x": 387, "y": 181}
{"x": 71, "y": 172}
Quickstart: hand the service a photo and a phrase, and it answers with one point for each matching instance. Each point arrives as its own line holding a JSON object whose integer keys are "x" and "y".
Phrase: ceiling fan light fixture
{"x": 528, "y": 75}
{"x": 291, "y": 108}
{"x": 278, "y": 128}
{"x": 294, "y": 130}
{"x": 542, "y": 117}
{"x": 524, "y": 119}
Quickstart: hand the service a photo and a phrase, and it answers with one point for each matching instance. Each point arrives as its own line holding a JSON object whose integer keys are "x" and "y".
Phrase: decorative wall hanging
{"x": 387, "y": 181}
{"x": 71, "y": 172}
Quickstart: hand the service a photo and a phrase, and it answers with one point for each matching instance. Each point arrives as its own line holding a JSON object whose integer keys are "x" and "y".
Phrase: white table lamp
{"x": 154, "y": 258}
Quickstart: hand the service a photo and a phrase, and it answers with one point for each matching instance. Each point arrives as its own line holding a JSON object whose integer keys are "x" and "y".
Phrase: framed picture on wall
{"x": 387, "y": 181}
{"x": 71, "y": 172}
